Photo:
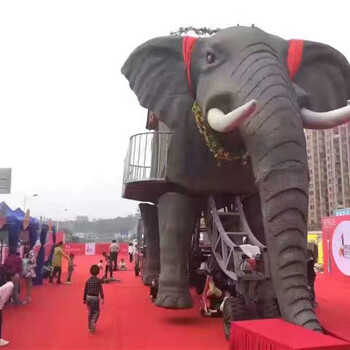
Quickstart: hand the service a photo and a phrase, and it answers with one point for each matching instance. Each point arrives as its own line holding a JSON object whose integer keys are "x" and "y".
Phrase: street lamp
{"x": 65, "y": 210}
{"x": 25, "y": 200}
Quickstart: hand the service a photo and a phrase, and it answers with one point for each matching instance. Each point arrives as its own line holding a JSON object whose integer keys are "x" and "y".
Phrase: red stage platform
{"x": 333, "y": 310}
{"x": 277, "y": 334}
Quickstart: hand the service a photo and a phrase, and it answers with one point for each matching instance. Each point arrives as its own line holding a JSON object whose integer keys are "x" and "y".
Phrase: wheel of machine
{"x": 234, "y": 310}
{"x": 137, "y": 269}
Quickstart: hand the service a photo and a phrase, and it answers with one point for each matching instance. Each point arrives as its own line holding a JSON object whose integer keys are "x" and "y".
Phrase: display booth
{"x": 336, "y": 245}
{"x": 11, "y": 229}
{"x": 12, "y": 226}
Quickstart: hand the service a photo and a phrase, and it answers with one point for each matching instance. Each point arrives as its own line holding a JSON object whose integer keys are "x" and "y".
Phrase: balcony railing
{"x": 146, "y": 160}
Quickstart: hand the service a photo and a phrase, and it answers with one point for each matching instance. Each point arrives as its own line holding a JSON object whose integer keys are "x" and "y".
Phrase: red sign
{"x": 74, "y": 248}
{"x": 336, "y": 245}
{"x": 81, "y": 249}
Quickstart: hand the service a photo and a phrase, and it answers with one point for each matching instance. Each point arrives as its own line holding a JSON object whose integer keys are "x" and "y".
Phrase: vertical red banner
{"x": 336, "y": 245}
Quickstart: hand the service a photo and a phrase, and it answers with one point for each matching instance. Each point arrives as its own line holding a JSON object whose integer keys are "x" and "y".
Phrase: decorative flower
{"x": 212, "y": 139}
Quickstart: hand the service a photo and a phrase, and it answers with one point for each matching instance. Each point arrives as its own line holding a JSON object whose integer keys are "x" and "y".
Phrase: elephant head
{"x": 247, "y": 92}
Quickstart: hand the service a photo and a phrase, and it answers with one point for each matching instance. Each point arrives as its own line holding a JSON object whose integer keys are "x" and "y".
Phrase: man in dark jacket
{"x": 311, "y": 274}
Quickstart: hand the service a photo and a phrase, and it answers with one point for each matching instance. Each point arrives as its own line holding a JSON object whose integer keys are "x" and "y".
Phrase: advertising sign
{"x": 336, "y": 245}
{"x": 90, "y": 248}
{"x": 5, "y": 180}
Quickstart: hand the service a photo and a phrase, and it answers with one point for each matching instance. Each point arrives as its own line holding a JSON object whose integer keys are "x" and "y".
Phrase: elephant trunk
{"x": 275, "y": 140}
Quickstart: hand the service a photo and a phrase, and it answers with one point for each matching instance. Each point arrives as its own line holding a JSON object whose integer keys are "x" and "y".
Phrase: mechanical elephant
{"x": 237, "y": 104}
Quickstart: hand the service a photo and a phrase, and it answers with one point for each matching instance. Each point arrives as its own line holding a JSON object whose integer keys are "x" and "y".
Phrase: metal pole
{"x": 329, "y": 257}
{"x": 139, "y": 157}
{"x": 144, "y": 158}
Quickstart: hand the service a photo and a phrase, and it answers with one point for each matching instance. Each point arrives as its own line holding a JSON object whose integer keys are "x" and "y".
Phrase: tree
{"x": 71, "y": 237}
{"x": 202, "y": 32}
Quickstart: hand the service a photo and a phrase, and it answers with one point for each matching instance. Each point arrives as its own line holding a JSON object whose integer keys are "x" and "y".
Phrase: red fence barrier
{"x": 92, "y": 248}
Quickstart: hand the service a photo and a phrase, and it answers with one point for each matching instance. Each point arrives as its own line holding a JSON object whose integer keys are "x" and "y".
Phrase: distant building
{"x": 82, "y": 218}
{"x": 328, "y": 153}
{"x": 341, "y": 212}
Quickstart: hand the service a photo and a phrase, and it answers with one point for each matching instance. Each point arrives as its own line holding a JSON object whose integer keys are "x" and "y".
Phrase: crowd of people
{"x": 17, "y": 266}
{"x": 22, "y": 265}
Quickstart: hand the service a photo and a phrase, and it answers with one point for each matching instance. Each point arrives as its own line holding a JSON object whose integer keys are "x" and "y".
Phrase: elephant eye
{"x": 210, "y": 58}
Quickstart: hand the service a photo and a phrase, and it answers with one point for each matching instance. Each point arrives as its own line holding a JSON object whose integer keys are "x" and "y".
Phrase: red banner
{"x": 104, "y": 247}
{"x": 74, "y": 248}
{"x": 84, "y": 248}
{"x": 336, "y": 245}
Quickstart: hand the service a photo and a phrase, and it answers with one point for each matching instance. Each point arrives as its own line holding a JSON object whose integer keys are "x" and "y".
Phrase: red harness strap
{"x": 295, "y": 55}
{"x": 187, "y": 47}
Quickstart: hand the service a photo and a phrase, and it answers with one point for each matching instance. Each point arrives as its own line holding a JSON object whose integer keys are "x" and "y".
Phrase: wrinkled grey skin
{"x": 249, "y": 64}
{"x": 149, "y": 216}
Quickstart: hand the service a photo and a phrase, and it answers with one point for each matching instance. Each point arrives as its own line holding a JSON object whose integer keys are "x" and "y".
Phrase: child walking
{"x": 5, "y": 293}
{"x": 71, "y": 266}
{"x": 92, "y": 292}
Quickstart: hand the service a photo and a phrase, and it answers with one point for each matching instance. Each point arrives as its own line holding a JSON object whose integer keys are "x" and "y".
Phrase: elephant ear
{"x": 324, "y": 74}
{"x": 156, "y": 73}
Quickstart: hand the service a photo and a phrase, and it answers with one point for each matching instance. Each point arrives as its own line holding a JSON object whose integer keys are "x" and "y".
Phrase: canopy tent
{"x": 13, "y": 222}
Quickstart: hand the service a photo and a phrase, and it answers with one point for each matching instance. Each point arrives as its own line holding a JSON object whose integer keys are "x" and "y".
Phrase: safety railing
{"x": 147, "y": 157}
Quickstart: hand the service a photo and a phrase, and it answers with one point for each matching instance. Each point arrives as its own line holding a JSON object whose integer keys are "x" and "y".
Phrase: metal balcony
{"x": 145, "y": 166}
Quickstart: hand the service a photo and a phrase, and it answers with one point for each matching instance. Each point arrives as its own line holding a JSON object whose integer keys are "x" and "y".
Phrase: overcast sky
{"x": 66, "y": 112}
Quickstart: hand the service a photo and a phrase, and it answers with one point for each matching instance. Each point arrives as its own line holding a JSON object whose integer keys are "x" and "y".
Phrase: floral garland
{"x": 212, "y": 139}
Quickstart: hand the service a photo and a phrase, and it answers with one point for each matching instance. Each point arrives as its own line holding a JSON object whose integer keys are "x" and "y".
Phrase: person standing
{"x": 131, "y": 252}
{"x": 70, "y": 268}
{"x": 114, "y": 251}
{"x": 5, "y": 293}
{"x": 13, "y": 263}
{"x": 92, "y": 292}
{"x": 57, "y": 262}
{"x": 311, "y": 275}
{"x": 29, "y": 265}
{"x": 109, "y": 265}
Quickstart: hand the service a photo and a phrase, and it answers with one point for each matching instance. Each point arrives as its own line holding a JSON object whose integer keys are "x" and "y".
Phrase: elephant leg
{"x": 149, "y": 216}
{"x": 177, "y": 219}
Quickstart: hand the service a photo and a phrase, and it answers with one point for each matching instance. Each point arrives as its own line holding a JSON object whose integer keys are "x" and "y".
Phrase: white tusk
{"x": 325, "y": 120}
{"x": 221, "y": 122}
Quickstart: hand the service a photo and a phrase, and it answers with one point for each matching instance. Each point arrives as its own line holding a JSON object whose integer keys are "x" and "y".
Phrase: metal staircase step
{"x": 237, "y": 234}
{"x": 230, "y": 213}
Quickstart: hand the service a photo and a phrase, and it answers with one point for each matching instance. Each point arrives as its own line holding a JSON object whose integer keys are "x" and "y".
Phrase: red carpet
{"x": 333, "y": 296}
{"x": 57, "y": 319}
{"x": 277, "y": 334}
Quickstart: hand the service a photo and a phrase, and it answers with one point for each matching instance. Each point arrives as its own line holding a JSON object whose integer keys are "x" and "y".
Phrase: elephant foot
{"x": 173, "y": 300}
